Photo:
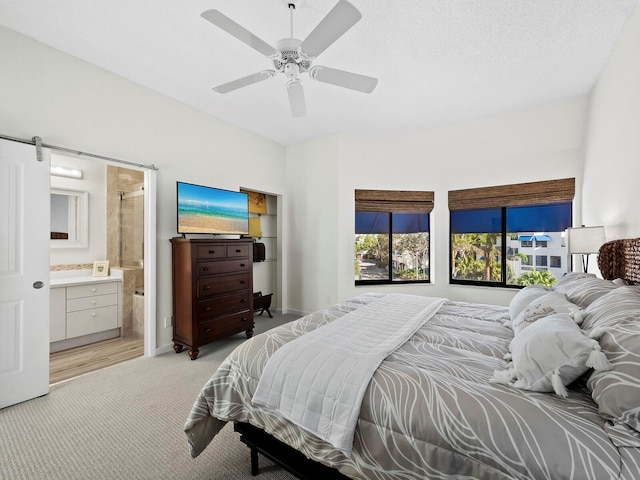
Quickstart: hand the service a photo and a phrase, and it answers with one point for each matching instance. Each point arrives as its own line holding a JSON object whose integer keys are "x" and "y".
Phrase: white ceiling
{"x": 437, "y": 61}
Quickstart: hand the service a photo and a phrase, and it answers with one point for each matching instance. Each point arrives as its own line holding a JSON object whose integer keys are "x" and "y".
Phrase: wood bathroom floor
{"x": 88, "y": 358}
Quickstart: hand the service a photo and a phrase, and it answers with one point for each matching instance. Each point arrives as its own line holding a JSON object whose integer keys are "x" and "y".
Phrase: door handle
{"x": 37, "y": 285}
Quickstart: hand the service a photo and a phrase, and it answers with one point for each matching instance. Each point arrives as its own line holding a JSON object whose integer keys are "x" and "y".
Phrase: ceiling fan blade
{"x": 244, "y": 81}
{"x": 340, "y": 19}
{"x": 296, "y": 98}
{"x": 225, "y": 23}
{"x": 354, "y": 81}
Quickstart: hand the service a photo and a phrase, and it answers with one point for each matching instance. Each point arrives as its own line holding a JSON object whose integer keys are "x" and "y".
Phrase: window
{"x": 488, "y": 221}
{"x": 555, "y": 261}
{"x": 392, "y": 236}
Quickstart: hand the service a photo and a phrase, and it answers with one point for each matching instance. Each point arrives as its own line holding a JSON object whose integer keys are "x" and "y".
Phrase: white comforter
{"x": 318, "y": 381}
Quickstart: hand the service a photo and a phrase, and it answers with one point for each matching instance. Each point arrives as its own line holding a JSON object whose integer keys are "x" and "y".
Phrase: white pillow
{"x": 550, "y": 354}
{"x": 524, "y": 297}
{"x": 549, "y": 304}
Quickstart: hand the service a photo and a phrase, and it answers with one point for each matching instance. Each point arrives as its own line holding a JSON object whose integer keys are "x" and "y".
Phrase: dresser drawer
{"x": 94, "y": 320}
{"x": 211, "y": 251}
{"x": 96, "y": 301}
{"x": 222, "y": 266}
{"x": 79, "y": 291}
{"x": 237, "y": 251}
{"x": 221, "y": 326}
{"x": 224, "y": 305}
{"x": 220, "y": 285}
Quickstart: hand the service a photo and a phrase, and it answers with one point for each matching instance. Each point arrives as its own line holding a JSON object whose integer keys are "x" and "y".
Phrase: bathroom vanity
{"x": 84, "y": 309}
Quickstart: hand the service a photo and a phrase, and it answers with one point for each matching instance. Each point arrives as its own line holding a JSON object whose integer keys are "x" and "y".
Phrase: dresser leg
{"x": 178, "y": 348}
{"x": 194, "y": 353}
{"x": 249, "y": 333}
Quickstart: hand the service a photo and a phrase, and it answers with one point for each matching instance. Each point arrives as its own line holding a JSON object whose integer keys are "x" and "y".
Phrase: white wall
{"x": 539, "y": 143}
{"x": 71, "y": 103}
{"x": 312, "y": 230}
{"x": 612, "y": 164}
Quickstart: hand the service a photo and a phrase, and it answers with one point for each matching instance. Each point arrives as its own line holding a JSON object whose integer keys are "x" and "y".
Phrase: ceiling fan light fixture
{"x": 293, "y": 57}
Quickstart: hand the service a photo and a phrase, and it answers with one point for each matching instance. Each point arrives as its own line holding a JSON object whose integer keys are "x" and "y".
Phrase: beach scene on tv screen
{"x": 209, "y": 210}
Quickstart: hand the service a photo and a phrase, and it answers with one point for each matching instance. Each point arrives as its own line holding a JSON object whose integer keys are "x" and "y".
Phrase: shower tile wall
{"x": 125, "y": 234}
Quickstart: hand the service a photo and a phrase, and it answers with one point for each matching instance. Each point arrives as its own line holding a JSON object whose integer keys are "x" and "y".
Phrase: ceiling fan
{"x": 293, "y": 57}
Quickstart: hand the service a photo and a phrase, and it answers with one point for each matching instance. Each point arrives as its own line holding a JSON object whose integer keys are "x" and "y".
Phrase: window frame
{"x": 503, "y": 197}
{"x": 390, "y": 202}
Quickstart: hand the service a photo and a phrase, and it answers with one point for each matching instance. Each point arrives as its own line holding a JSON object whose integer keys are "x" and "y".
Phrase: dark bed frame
{"x": 616, "y": 259}
{"x": 283, "y": 455}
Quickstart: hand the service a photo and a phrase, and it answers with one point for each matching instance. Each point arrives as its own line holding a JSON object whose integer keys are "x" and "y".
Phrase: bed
{"x": 475, "y": 391}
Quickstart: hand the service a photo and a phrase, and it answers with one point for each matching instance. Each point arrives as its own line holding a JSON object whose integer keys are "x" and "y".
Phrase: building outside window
{"x": 392, "y": 236}
{"x": 480, "y": 235}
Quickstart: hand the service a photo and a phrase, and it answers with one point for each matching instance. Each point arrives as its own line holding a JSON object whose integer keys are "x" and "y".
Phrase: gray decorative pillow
{"x": 524, "y": 297}
{"x": 582, "y": 288}
{"x": 549, "y": 304}
{"x": 615, "y": 320}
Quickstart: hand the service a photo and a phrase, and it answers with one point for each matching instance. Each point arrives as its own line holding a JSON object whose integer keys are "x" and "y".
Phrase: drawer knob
{"x": 207, "y": 330}
{"x": 93, "y": 289}
{"x": 244, "y": 300}
{"x": 242, "y": 265}
{"x": 242, "y": 282}
{"x": 238, "y": 250}
{"x": 206, "y": 269}
{"x": 206, "y": 287}
{"x": 206, "y": 309}
{"x": 211, "y": 252}
{"x": 243, "y": 319}
{"x": 93, "y": 302}
{"x": 93, "y": 314}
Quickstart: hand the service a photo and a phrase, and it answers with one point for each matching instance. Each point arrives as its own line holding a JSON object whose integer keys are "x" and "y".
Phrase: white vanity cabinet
{"x": 58, "y": 316}
{"x": 83, "y": 313}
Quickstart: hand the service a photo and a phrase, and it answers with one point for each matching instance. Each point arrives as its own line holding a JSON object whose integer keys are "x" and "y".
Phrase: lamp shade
{"x": 585, "y": 240}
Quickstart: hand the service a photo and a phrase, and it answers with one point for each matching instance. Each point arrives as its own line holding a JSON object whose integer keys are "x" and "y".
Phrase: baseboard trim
{"x": 164, "y": 349}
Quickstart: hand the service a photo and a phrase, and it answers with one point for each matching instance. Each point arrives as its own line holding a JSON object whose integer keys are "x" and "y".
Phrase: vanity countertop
{"x": 64, "y": 279}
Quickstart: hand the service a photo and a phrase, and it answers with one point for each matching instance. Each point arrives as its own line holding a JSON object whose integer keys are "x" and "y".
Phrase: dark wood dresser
{"x": 212, "y": 291}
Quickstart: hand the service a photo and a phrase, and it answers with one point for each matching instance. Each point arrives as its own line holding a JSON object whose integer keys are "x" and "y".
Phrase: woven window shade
{"x": 393, "y": 201}
{"x": 532, "y": 193}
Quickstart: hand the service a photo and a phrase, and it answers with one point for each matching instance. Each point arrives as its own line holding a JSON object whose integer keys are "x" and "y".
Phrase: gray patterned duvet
{"x": 430, "y": 410}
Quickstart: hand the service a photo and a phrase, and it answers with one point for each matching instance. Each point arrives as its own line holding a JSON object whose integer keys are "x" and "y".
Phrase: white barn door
{"x": 24, "y": 272}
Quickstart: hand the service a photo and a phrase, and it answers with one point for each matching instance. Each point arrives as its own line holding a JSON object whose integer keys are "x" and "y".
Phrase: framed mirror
{"x": 69, "y": 218}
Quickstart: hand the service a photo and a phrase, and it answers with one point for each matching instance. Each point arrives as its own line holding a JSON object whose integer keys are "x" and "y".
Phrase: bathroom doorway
{"x": 117, "y": 228}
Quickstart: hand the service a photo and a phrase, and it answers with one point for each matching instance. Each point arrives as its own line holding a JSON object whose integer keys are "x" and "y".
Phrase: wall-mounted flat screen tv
{"x": 204, "y": 209}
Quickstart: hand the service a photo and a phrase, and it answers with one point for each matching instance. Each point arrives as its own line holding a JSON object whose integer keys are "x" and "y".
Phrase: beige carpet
{"x": 126, "y": 422}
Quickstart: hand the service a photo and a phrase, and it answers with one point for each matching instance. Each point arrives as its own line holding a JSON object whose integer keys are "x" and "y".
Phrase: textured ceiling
{"x": 437, "y": 61}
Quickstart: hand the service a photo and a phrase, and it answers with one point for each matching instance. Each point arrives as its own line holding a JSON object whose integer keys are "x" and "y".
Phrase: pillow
{"x": 615, "y": 320}
{"x": 583, "y": 288}
{"x": 544, "y": 306}
{"x": 549, "y": 355}
{"x": 524, "y": 297}
{"x": 573, "y": 277}
{"x": 610, "y": 309}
